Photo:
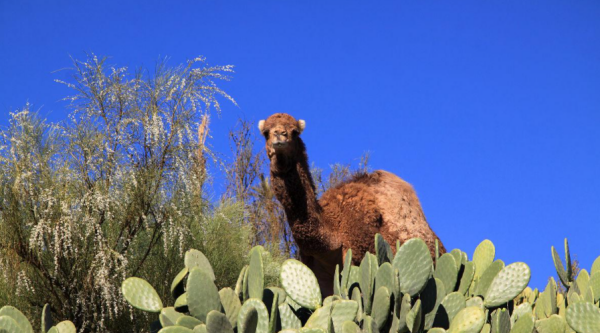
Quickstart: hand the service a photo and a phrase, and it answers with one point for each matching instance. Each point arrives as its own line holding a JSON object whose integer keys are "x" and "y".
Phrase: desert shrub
{"x": 116, "y": 190}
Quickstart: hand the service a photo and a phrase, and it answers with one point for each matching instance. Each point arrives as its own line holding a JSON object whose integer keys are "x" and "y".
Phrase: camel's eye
{"x": 266, "y": 134}
{"x": 284, "y": 133}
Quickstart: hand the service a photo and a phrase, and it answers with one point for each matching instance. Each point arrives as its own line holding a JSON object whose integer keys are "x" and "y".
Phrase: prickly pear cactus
{"x": 300, "y": 284}
{"x": 141, "y": 295}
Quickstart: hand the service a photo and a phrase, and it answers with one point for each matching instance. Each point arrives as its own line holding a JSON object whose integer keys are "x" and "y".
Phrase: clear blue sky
{"x": 491, "y": 109}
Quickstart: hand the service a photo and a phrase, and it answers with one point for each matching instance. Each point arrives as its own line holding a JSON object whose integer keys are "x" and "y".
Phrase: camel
{"x": 345, "y": 217}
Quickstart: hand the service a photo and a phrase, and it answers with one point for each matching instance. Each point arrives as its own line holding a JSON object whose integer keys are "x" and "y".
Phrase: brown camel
{"x": 347, "y": 216}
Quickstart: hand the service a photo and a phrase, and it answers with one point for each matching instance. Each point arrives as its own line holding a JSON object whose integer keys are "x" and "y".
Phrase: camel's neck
{"x": 294, "y": 188}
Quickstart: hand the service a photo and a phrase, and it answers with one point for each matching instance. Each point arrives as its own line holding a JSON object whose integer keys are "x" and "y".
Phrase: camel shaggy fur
{"x": 345, "y": 217}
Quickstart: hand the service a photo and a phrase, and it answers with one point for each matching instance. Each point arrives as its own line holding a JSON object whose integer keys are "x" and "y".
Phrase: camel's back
{"x": 393, "y": 200}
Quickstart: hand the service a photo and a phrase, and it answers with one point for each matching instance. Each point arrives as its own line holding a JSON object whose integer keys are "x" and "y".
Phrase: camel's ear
{"x": 261, "y": 125}
{"x": 301, "y": 125}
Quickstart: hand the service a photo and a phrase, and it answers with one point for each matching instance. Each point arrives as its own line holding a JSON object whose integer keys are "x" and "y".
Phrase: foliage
{"x": 116, "y": 190}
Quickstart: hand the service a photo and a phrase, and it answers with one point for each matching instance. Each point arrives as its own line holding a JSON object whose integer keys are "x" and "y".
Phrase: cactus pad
{"x": 483, "y": 256}
{"x": 256, "y": 275}
{"x": 523, "y": 324}
{"x": 46, "y": 319}
{"x": 447, "y": 271}
{"x": 194, "y": 258}
{"x": 415, "y": 265}
{"x": 202, "y": 294}
{"x": 9, "y": 325}
{"x": 246, "y": 319}
{"x": 584, "y": 317}
{"x": 453, "y": 303}
{"x": 511, "y": 281}
{"x": 554, "y": 324}
{"x": 468, "y": 320}
{"x": 216, "y": 322}
{"x": 18, "y": 317}
{"x": 289, "y": 320}
{"x": 141, "y": 295}
{"x": 66, "y": 327}
{"x": 300, "y": 283}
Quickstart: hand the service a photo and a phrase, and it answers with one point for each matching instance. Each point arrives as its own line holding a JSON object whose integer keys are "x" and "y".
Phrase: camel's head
{"x": 282, "y": 133}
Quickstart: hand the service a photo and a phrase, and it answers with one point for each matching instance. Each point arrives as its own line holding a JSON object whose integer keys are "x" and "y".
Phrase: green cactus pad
{"x": 381, "y": 306}
{"x": 246, "y": 320}
{"x": 343, "y": 311}
{"x": 239, "y": 286}
{"x": 546, "y": 303}
{"x": 385, "y": 277}
{"x": 595, "y": 285}
{"x": 231, "y": 304}
{"x": 383, "y": 250}
{"x": 312, "y": 330}
{"x": 141, "y": 295}
{"x": 181, "y": 303}
{"x": 366, "y": 281}
{"x": 554, "y": 324}
{"x": 356, "y": 296}
{"x": 194, "y": 258}
{"x": 187, "y": 321}
{"x": 523, "y": 324}
{"x": 414, "y": 317}
{"x": 256, "y": 275}
{"x": 568, "y": 260}
{"x": 453, "y": 303}
{"x": 168, "y": 316}
{"x": 216, "y": 322}
{"x": 9, "y": 325}
{"x": 175, "y": 329}
{"x": 369, "y": 325}
{"x": 485, "y": 280}
{"x": 202, "y": 294}
{"x": 583, "y": 280}
{"x": 446, "y": 270}
{"x": 289, "y": 320}
{"x": 415, "y": 265}
{"x": 178, "y": 286}
{"x": 46, "y": 319}
{"x": 487, "y": 328}
{"x": 468, "y": 320}
{"x": 511, "y": 281}
{"x": 346, "y": 271}
{"x": 457, "y": 255}
{"x": 404, "y": 310}
{"x": 467, "y": 278}
{"x": 337, "y": 289}
{"x": 320, "y": 318}
{"x": 483, "y": 256}
{"x": 354, "y": 276}
{"x": 18, "y": 317}
{"x": 520, "y": 311}
{"x": 300, "y": 283}
{"x": 475, "y": 301}
{"x": 329, "y": 299}
{"x": 66, "y": 327}
{"x": 584, "y": 317}
{"x": 350, "y": 327}
{"x": 274, "y": 321}
{"x": 500, "y": 321}
{"x": 200, "y": 329}
{"x": 560, "y": 269}
{"x": 437, "y": 330}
